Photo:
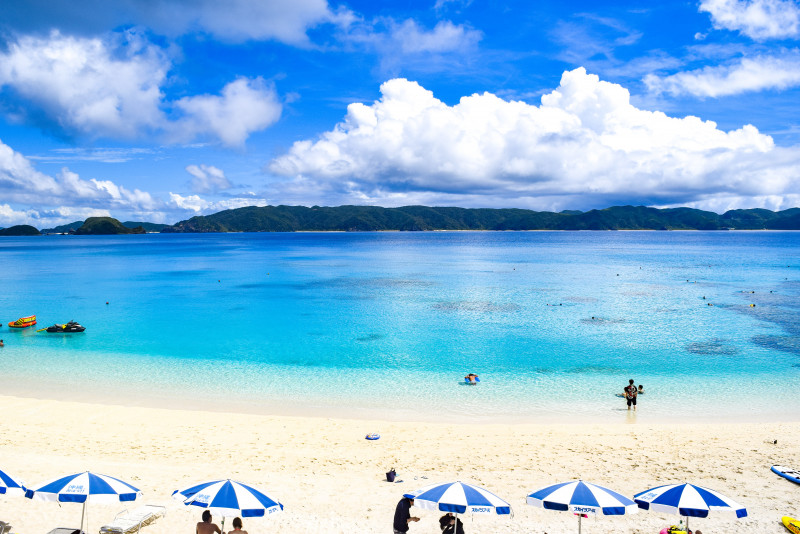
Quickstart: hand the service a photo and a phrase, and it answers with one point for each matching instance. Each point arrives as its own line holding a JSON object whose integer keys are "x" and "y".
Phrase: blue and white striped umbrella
{"x": 459, "y": 498}
{"x": 229, "y": 498}
{"x": 687, "y": 500}
{"x": 10, "y": 485}
{"x": 85, "y": 487}
{"x": 580, "y": 498}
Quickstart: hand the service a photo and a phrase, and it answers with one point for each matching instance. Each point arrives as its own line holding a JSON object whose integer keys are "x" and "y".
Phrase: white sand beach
{"x": 330, "y": 479}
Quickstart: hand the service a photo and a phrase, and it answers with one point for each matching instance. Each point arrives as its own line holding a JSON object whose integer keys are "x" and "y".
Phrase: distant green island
{"x": 424, "y": 218}
{"x": 106, "y": 223}
{"x": 20, "y": 229}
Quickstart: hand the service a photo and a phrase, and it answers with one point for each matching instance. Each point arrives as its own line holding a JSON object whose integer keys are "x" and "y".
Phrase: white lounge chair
{"x": 130, "y": 522}
{"x": 4, "y": 527}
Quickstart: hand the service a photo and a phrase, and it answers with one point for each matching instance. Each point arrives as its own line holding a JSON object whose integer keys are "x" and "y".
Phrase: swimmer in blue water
{"x": 472, "y": 378}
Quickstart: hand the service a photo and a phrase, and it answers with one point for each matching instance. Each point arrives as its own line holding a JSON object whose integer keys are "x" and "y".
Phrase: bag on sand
{"x": 390, "y": 475}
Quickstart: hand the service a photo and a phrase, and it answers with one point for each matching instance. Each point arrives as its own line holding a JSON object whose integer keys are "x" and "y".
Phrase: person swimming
{"x": 472, "y": 378}
{"x": 641, "y": 389}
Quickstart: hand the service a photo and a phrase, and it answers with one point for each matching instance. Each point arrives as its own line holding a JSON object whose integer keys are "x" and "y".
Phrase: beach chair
{"x": 130, "y": 522}
{"x": 66, "y": 530}
{"x": 4, "y": 527}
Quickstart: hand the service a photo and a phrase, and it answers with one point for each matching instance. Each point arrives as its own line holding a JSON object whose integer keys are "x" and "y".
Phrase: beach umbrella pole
{"x": 579, "y": 523}
{"x": 83, "y": 512}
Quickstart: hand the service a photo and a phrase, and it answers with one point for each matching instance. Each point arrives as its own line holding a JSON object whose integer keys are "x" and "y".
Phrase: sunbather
{"x": 237, "y": 527}
{"x": 206, "y": 526}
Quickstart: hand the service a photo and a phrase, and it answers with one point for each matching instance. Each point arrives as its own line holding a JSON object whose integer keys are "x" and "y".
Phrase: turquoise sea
{"x": 385, "y": 325}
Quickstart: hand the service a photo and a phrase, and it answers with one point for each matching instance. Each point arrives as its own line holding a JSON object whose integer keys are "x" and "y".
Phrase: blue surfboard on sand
{"x": 787, "y": 473}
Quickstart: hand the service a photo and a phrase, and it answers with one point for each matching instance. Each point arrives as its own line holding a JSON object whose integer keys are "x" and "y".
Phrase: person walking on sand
{"x": 206, "y": 526}
{"x": 630, "y": 394}
{"x": 402, "y": 515}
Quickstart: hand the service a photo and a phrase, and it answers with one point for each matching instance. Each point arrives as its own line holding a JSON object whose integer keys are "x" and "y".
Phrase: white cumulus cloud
{"x": 22, "y": 184}
{"x": 112, "y": 88}
{"x": 411, "y": 45}
{"x": 746, "y": 75}
{"x": 90, "y": 86}
{"x": 241, "y": 20}
{"x": 245, "y": 106}
{"x": 198, "y": 205}
{"x": 207, "y": 179}
{"x": 232, "y": 21}
{"x": 410, "y": 38}
{"x": 586, "y": 144}
{"x": 757, "y": 19}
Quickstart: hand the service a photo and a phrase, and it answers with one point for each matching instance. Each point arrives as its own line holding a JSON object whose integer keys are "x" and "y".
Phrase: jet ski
{"x": 69, "y": 327}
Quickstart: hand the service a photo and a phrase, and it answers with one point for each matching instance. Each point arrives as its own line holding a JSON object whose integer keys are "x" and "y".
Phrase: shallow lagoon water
{"x": 385, "y": 325}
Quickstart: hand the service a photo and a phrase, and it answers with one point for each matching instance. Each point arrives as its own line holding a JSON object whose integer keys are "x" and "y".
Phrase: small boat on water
{"x": 23, "y": 322}
{"x": 66, "y": 328}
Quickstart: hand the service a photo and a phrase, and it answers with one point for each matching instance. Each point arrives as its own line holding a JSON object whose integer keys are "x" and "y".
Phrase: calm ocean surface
{"x": 386, "y": 325}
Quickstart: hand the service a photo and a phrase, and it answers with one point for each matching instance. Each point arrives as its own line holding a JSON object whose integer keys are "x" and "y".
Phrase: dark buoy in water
{"x": 106, "y": 302}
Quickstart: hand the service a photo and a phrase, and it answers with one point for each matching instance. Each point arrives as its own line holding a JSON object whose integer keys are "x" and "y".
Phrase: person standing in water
{"x": 630, "y": 394}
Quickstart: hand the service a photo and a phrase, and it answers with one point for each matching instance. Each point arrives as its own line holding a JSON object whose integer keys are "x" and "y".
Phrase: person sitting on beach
{"x": 641, "y": 390}
{"x": 630, "y": 394}
{"x": 237, "y": 526}
{"x": 206, "y": 526}
{"x": 448, "y": 524}
{"x": 472, "y": 378}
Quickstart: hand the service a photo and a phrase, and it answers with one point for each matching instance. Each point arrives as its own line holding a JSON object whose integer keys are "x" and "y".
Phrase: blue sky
{"x": 160, "y": 111}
